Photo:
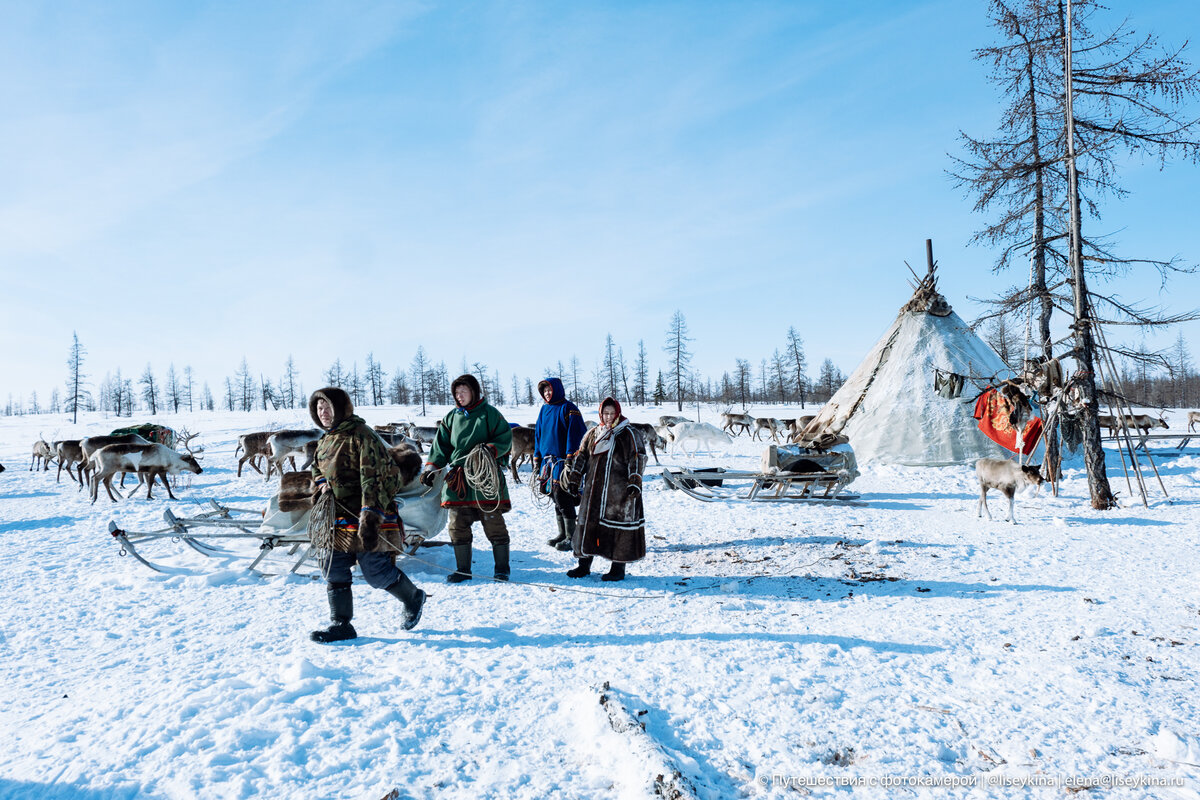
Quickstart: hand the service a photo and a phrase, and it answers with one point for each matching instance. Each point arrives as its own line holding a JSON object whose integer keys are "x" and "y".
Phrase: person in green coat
{"x": 352, "y": 465}
{"x": 473, "y": 423}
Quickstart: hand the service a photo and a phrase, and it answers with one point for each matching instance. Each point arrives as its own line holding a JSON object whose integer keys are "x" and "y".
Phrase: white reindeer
{"x": 283, "y": 445}
{"x": 1007, "y": 476}
{"x": 150, "y": 460}
{"x": 43, "y": 453}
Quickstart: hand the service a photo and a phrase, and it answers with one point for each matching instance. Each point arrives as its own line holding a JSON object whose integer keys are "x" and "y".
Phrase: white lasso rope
{"x": 540, "y": 498}
{"x": 482, "y": 472}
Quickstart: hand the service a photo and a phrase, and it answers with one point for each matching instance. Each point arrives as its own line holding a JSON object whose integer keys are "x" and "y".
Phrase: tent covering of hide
{"x": 888, "y": 408}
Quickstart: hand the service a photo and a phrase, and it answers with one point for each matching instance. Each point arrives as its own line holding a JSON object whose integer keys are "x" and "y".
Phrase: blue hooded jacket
{"x": 559, "y": 428}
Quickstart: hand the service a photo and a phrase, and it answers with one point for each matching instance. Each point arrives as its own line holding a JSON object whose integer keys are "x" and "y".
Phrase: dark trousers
{"x": 493, "y": 525}
{"x": 379, "y": 569}
{"x": 564, "y": 504}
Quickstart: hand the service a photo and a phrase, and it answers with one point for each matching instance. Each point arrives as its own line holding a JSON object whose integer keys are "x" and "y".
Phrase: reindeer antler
{"x": 184, "y": 437}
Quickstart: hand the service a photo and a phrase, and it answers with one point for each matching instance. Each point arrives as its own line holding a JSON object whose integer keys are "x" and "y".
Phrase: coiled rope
{"x": 321, "y": 520}
{"x": 482, "y": 471}
{"x": 540, "y": 499}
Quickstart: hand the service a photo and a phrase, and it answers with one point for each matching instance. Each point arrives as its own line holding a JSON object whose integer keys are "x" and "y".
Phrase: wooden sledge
{"x": 214, "y": 531}
{"x": 208, "y": 530}
{"x": 790, "y": 473}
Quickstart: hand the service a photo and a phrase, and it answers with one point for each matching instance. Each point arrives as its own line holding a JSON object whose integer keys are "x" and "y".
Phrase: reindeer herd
{"x": 97, "y": 460}
{"x": 737, "y": 424}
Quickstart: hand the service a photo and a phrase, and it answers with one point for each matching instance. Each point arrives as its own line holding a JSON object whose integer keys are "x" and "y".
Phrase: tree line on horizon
{"x": 780, "y": 378}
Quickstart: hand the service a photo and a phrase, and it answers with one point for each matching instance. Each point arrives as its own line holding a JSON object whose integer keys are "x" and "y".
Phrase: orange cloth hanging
{"x": 992, "y": 410}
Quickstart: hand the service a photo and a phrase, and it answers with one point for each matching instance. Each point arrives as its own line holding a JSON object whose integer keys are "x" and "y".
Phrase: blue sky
{"x": 508, "y": 182}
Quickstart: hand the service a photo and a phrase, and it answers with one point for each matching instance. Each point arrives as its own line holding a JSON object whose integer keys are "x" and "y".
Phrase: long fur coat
{"x": 607, "y": 474}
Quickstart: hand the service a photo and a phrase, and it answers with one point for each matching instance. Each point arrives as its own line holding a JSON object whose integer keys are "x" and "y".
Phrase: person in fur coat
{"x": 606, "y": 472}
{"x": 557, "y": 434}
{"x": 473, "y": 423}
{"x": 352, "y": 464}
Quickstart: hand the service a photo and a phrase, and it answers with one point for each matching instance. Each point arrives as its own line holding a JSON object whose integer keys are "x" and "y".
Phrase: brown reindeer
{"x": 69, "y": 454}
{"x": 797, "y": 426}
{"x": 522, "y": 449}
{"x": 253, "y": 446}
{"x": 770, "y": 424}
{"x": 729, "y": 421}
{"x": 92, "y": 444}
{"x": 1144, "y": 422}
{"x": 650, "y": 438}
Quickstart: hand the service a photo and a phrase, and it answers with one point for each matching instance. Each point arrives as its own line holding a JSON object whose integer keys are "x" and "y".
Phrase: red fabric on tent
{"x": 992, "y": 410}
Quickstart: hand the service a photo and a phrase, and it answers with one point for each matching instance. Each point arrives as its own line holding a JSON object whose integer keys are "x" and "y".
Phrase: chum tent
{"x": 888, "y": 408}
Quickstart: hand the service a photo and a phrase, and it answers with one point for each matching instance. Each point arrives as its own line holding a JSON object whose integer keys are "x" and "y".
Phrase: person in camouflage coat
{"x": 607, "y": 472}
{"x": 472, "y": 423}
{"x": 352, "y": 464}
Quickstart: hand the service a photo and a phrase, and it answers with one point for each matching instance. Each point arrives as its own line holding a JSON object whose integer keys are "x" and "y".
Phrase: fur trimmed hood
{"x": 472, "y": 383}
{"x": 337, "y": 399}
{"x": 559, "y": 394}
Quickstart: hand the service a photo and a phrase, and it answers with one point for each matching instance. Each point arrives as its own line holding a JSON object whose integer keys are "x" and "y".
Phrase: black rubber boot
{"x": 615, "y": 573}
{"x": 565, "y": 544}
{"x": 341, "y": 611}
{"x": 584, "y": 568}
{"x": 413, "y": 599}
{"x": 562, "y": 531}
{"x": 462, "y": 563}
{"x": 500, "y": 554}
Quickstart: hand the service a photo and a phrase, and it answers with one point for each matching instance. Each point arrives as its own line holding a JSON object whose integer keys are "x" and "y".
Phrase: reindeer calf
{"x": 1193, "y": 418}
{"x": 1007, "y": 476}
{"x": 253, "y": 446}
{"x": 42, "y": 455}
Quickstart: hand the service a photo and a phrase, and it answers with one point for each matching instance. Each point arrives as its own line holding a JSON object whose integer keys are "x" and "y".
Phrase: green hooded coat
{"x": 458, "y": 434}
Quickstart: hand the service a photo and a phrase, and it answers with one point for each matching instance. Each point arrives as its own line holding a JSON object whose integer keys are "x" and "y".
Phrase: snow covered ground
{"x": 763, "y": 646}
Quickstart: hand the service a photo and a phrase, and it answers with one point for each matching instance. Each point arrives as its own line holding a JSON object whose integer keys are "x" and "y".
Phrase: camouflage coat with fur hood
{"x": 355, "y": 463}
{"x": 606, "y": 472}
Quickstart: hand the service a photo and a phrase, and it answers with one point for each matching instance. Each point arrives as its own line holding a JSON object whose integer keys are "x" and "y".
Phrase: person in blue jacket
{"x": 557, "y": 434}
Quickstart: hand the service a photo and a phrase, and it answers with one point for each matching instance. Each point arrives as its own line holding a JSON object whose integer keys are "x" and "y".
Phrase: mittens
{"x": 428, "y": 476}
{"x": 368, "y": 528}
